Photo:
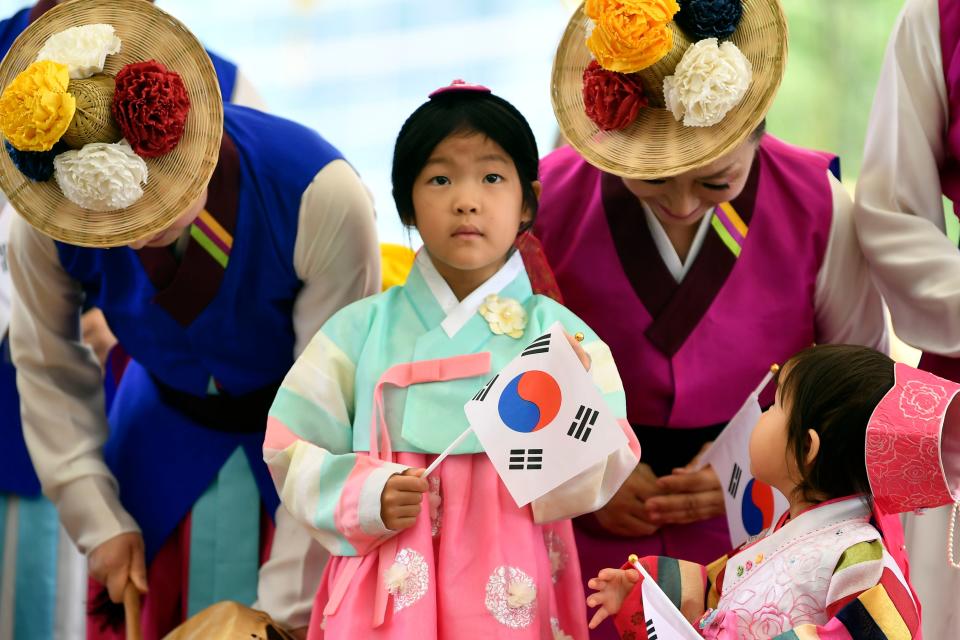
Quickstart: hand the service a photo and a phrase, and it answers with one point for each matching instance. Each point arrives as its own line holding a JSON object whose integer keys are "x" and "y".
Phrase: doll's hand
{"x": 612, "y": 587}
{"x": 626, "y": 513}
{"x": 691, "y": 495}
{"x": 579, "y": 350}
{"x": 401, "y": 499}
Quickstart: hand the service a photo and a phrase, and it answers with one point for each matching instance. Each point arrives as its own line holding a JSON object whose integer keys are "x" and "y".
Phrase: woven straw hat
{"x": 656, "y": 145}
{"x": 177, "y": 179}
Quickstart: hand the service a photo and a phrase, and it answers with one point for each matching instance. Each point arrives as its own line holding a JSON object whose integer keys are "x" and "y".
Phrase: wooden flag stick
{"x": 131, "y": 611}
{"x": 635, "y": 561}
{"x": 456, "y": 443}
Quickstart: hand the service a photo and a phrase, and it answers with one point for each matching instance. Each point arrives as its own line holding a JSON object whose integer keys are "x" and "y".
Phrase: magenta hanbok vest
{"x": 690, "y": 352}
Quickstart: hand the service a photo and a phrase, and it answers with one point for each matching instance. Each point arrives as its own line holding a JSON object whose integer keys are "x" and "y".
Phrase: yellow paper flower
{"x": 35, "y": 110}
{"x": 630, "y": 35}
{"x": 505, "y": 316}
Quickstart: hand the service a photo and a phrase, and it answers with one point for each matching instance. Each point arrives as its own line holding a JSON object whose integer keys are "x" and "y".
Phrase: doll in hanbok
{"x": 380, "y": 391}
{"x": 849, "y": 435}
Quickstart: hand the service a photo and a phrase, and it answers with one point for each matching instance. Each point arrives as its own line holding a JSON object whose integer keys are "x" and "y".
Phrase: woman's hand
{"x": 691, "y": 495}
{"x": 626, "y": 513}
{"x": 401, "y": 499}
{"x": 612, "y": 587}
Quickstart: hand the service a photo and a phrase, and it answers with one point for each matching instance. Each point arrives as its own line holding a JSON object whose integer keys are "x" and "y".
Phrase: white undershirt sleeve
{"x": 899, "y": 211}
{"x": 848, "y": 307}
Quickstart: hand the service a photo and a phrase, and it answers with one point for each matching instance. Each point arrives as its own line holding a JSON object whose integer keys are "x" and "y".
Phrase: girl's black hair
{"x": 833, "y": 389}
{"x": 463, "y": 112}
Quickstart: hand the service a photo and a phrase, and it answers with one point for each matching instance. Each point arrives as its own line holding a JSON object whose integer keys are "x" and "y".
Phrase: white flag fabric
{"x": 663, "y": 620}
{"x": 752, "y": 506}
{"x": 541, "y": 420}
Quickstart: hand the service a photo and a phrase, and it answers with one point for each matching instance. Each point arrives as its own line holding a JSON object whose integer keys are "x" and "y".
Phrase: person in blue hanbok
{"x": 169, "y": 491}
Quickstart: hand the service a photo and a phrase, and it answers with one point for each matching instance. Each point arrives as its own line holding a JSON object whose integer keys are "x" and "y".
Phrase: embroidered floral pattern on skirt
{"x": 407, "y": 579}
{"x": 511, "y": 597}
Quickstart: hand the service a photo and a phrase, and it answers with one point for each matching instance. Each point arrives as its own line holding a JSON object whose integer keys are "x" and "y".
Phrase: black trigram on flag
{"x": 526, "y": 459}
{"x": 482, "y": 394}
{"x": 734, "y": 480}
{"x": 540, "y": 345}
{"x": 580, "y": 428}
{"x": 651, "y": 631}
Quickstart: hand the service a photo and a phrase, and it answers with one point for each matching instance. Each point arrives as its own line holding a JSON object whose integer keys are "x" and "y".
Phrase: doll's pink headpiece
{"x": 913, "y": 443}
{"x": 459, "y": 85}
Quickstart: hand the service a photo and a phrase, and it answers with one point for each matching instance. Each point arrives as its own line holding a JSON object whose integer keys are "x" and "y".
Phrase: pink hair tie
{"x": 459, "y": 85}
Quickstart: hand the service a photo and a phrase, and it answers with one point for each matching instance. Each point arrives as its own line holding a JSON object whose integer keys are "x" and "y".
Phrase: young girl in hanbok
{"x": 380, "y": 391}
{"x": 822, "y": 571}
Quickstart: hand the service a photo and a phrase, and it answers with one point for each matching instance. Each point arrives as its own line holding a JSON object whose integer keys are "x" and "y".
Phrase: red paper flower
{"x": 612, "y": 100}
{"x": 150, "y": 104}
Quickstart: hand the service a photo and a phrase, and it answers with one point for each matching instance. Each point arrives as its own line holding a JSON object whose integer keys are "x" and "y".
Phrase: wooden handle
{"x": 131, "y": 611}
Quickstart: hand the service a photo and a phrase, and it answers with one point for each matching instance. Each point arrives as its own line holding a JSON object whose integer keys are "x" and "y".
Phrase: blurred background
{"x": 355, "y": 69}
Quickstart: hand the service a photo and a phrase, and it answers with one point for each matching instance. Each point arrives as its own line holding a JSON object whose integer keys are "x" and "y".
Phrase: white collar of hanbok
{"x": 667, "y": 252}
{"x": 459, "y": 312}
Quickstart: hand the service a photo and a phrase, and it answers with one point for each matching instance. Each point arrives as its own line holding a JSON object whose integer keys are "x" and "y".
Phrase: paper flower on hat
{"x": 151, "y": 106}
{"x": 36, "y": 165}
{"x": 83, "y": 49}
{"x": 612, "y": 100}
{"x": 630, "y": 35}
{"x": 505, "y": 316}
{"x": 35, "y": 109}
{"x": 708, "y": 82}
{"x": 101, "y": 176}
{"x": 701, "y": 19}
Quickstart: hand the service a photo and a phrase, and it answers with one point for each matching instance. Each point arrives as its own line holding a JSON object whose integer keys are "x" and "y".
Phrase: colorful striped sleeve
{"x": 868, "y": 600}
{"x": 593, "y": 488}
{"x": 309, "y": 450}
{"x": 685, "y": 583}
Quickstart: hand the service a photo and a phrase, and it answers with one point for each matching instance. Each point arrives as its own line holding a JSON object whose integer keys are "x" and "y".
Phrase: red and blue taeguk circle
{"x": 530, "y": 402}
{"x": 757, "y": 507}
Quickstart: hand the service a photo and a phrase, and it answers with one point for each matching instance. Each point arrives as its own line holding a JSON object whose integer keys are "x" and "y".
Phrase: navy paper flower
{"x": 36, "y": 165}
{"x": 702, "y": 19}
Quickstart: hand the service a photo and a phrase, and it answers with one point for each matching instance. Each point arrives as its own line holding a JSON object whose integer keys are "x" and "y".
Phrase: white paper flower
{"x": 101, "y": 176}
{"x": 407, "y": 579}
{"x": 395, "y": 578}
{"x": 520, "y": 594}
{"x": 83, "y": 49}
{"x": 505, "y": 316}
{"x": 709, "y": 81}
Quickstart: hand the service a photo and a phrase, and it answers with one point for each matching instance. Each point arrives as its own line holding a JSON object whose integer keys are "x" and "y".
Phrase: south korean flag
{"x": 752, "y": 506}
{"x": 541, "y": 420}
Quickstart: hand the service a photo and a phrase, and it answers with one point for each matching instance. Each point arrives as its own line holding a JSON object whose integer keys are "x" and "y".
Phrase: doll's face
{"x": 771, "y": 460}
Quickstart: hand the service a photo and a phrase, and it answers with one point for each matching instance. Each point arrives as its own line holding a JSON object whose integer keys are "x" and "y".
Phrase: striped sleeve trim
{"x": 324, "y": 376}
{"x": 715, "y": 572}
{"x": 603, "y": 369}
{"x": 858, "y": 569}
{"x": 308, "y": 421}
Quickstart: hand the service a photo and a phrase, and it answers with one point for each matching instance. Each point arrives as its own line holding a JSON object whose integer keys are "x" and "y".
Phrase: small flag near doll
{"x": 752, "y": 506}
{"x": 541, "y": 420}
{"x": 663, "y": 621}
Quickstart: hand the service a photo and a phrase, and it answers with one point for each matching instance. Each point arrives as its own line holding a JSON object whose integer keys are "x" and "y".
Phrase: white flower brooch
{"x": 505, "y": 316}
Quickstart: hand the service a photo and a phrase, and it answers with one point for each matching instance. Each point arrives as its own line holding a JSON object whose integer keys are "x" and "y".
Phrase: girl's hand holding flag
{"x": 401, "y": 499}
